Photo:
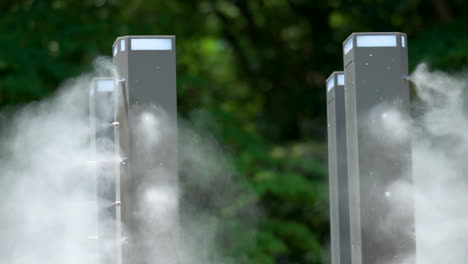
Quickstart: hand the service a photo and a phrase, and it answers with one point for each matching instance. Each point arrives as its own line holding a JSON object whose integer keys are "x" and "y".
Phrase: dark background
{"x": 256, "y": 68}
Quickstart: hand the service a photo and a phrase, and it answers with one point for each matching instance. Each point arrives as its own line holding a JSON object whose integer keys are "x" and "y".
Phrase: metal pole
{"x": 121, "y": 148}
{"x": 338, "y": 170}
{"x": 375, "y": 66}
{"x": 146, "y": 68}
{"x": 102, "y": 138}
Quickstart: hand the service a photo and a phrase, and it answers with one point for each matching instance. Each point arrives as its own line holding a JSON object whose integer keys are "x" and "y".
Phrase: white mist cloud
{"x": 439, "y": 149}
{"x": 47, "y": 174}
{"x": 441, "y": 183}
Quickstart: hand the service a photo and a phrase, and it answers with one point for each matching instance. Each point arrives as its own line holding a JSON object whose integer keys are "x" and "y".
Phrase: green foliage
{"x": 256, "y": 67}
{"x": 288, "y": 181}
{"x": 448, "y": 51}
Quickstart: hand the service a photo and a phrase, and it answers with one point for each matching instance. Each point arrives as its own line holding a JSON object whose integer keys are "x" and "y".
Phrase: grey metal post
{"x": 121, "y": 169}
{"x": 382, "y": 230}
{"x": 338, "y": 170}
{"x": 102, "y": 140}
{"x": 146, "y": 68}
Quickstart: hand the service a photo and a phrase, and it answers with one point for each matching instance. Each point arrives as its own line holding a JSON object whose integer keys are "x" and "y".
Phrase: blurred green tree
{"x": 257, "y": 67}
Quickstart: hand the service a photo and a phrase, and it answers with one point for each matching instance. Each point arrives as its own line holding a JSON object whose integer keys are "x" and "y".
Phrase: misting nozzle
{"x": 115, "y": 124}
{"x": 406, "y": 77}
{"x": 117, "y": 203}
{"x": 124, "y": 160}
{"x": 123, "y": 80}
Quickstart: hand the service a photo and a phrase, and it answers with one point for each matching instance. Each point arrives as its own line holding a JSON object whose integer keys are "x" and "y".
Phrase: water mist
{"x": 48, "y": 208}
{"x": 440, "y": 146}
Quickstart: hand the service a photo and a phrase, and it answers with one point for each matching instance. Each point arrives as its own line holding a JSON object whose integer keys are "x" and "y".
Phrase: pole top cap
{"x": 335, "y": 79}
{"x": 374, "y": 39}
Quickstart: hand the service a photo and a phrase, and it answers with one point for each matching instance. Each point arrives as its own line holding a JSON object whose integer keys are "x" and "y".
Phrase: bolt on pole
{"x": 146, "y": 69}
{"x": 338, "y": 170}
{"x": 379, "y": 156}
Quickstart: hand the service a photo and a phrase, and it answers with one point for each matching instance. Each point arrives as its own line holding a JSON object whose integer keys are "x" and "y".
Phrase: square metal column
{"x": 146, "y": 69}
{"x": 382, "y": 230}
{"x": 338, "y": 170}
{"x": 102, "y": 141}
{"x": 121, "y": 168}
